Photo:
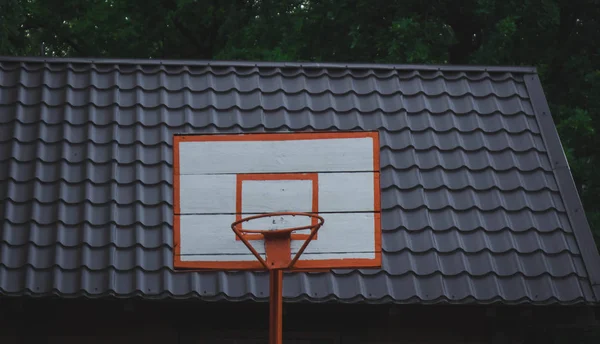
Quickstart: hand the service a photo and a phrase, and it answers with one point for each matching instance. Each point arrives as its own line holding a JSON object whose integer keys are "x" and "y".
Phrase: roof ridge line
{"x": 273, "y": 64}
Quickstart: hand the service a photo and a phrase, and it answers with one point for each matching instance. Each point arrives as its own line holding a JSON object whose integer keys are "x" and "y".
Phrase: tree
{"x": 558, "y": 36}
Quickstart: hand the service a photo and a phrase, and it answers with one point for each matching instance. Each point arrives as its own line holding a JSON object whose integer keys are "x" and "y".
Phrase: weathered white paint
{"x": 250, "y": 258}
{"x": 321, "y": 155}
{"x": 216, "y": 194}
{"x": 342, "y": 232}
{"x": 207, "y": 194}
{"x": 259, "y": 196}
{"x": 342, "y": 192}
{"x": 337, "y": 255}
{"x": 344, "y": 235}
{"x": 277, "y": 222}
{"x": 211, "y": 234}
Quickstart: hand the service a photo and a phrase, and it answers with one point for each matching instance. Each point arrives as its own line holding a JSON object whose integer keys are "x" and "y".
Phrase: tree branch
{"x": 187, "y": 33}
{"x": 29, "y": 25}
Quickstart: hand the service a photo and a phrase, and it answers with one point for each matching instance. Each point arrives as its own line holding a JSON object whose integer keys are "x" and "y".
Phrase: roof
{"x": 478, "y": 203}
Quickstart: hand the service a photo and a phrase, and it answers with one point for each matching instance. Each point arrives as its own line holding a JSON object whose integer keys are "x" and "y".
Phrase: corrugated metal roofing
{"x": 477, "y": 200}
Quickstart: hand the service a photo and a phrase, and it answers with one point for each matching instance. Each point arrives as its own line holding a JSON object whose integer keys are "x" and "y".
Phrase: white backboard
{"x": 221, "y": 178}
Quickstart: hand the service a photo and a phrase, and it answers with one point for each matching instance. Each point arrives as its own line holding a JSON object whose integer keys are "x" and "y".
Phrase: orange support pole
{"x": 277, "y": 247}
{"x": 276, "y": 306}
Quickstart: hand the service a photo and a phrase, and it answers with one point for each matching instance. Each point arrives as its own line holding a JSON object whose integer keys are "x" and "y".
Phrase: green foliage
{"x": 560, "y": 37}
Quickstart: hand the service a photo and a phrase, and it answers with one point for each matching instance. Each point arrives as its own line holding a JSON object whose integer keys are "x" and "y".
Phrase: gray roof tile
{"x": 473, "y": 208}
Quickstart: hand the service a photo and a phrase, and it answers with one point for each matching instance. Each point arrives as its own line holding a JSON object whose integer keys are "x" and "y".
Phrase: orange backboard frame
{"x": 301, "y": 265}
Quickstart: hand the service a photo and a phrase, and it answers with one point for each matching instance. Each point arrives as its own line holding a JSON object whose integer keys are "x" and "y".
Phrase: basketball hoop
{"x": 277, "y": 241}
{"x": 295, "y": 175}
{"x": 278, "y": 251}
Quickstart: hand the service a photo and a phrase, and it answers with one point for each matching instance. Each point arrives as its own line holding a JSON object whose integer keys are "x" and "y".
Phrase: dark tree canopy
{"x": 560, "y": 37}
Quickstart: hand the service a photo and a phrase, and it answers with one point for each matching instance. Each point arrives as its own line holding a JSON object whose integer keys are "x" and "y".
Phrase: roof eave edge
{"x": 566, "y": 183}
{"x": 248, "y": 64}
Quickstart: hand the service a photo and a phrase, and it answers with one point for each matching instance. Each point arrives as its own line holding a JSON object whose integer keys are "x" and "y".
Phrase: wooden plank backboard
{"x": 221, "y": 178}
